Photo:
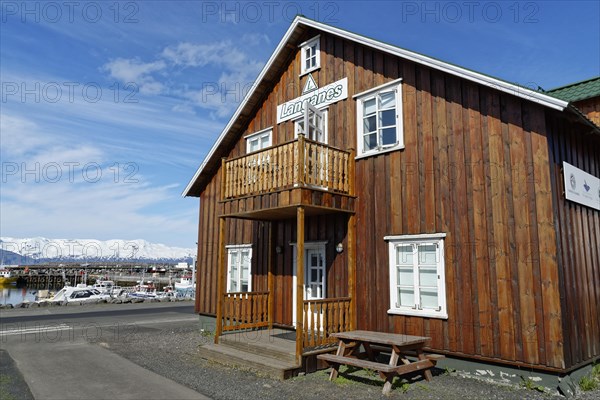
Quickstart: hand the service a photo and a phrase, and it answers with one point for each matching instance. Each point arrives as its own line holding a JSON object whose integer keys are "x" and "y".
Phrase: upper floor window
{"x": 310, "y": 55}
{"x": 379, "y": 119}
{"x": 316, "y": 120}
{"x": 259, "y": 140}
{"x": 417, "y": 279}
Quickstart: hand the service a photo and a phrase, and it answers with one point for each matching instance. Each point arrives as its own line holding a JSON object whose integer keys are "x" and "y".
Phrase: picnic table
{"x": 399, "y": 345}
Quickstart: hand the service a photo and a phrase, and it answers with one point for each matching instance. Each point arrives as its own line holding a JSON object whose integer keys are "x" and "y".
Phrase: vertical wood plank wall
{"x": 578, "y": 242}
{"x": 475, "y": 166}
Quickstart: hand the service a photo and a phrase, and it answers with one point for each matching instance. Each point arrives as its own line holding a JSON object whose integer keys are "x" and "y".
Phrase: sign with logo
{"x": 581, "y": 187}
{"x": 318, "y": 97}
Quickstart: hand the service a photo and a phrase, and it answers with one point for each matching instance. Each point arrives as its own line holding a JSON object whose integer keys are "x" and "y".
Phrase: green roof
{"x": 577, "y": 91}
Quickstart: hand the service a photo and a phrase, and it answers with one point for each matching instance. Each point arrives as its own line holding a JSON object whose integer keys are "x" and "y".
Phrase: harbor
{"x": 49, "y": 284}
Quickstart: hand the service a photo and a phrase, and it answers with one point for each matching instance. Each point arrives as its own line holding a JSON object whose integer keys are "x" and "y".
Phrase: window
{"x": 310, "y": 55}
{"x": 417, "y": 282}
{"x": 239, "y": 260}
{"x": 379, "y": 119}
{"x": 259, "y": 140}
{"x": 317, "y": 124}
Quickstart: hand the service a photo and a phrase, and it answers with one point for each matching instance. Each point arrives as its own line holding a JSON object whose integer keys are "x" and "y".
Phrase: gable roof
{"x": 577, "y": 91}
{"x": 287, "y": 47}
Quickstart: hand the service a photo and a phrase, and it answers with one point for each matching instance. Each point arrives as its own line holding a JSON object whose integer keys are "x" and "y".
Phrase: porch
{"x": 293, "y": 180}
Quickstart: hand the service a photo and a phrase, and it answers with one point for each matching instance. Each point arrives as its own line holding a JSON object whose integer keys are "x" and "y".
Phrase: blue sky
{"x": 108, "y": 108}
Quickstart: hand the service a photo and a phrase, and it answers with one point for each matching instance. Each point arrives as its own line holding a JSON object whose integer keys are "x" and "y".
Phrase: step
{"x": 263, "y": 342}
{"x": 261, "y": 365}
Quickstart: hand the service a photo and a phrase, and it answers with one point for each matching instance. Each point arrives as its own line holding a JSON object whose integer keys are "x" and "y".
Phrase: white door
{"x": 314, "y": 123}
{"x": 315, "y": 279}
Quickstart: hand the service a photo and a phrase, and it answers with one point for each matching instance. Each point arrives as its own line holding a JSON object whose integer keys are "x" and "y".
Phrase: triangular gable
{"x": 300, "y": 22}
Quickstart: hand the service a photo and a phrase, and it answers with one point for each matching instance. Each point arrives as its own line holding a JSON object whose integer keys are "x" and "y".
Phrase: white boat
{"x": 77, "y": 293}
{"x": 143, "y": 291}
{"x": 185, "y": 283}
{"x": 108, "y": 287}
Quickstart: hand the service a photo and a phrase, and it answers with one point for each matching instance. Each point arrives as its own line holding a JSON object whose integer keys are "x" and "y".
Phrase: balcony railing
{"x": 245, "y": 310}
{"x": 299, "y": 163}
{"x": 322, "y": 318}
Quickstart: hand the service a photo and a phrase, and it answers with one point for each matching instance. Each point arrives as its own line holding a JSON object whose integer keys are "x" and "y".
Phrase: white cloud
{"x": 133, "y": 70}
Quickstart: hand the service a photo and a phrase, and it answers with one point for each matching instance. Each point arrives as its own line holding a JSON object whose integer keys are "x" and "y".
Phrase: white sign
{"x": 324, "y": 96}
{"x": 581, "y": 187}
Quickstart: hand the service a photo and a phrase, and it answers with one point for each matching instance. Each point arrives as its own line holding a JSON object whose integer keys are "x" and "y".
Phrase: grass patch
{"x": 530, "y": 384}
{"x": 592, "y": 381}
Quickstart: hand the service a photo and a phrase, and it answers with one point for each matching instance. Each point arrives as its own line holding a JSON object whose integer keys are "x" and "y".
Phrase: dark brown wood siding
{"x": 591, "y": 108}
{"x": 475, "y": 166}
{"x": 578, "y": 241}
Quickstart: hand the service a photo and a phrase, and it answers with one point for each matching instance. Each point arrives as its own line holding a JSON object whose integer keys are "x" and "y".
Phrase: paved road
{"x": 61, "y": 355}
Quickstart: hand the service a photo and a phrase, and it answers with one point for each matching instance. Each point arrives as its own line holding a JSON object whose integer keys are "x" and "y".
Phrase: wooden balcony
{"x": 268, "y": 184}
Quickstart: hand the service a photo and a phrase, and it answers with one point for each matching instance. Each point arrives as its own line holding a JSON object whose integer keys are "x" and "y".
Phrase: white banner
{"x": 324, "y": 96}
{"x": 581, "y": 187}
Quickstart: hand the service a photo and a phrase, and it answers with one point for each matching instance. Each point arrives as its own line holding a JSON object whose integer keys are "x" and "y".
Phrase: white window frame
{"x": 257, "y": 136}
{"x": 370, "y": 94}
{"x": 239, "y": 248}
{"x": 416, "y": 309}
{"x": 316, "y": 42}
{"x": 325, "y": 115}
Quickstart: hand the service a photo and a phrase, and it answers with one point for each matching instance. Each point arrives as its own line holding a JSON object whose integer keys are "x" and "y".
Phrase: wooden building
{"x": 361, "y": 185}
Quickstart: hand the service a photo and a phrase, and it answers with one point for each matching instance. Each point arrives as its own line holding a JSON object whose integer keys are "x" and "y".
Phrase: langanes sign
{"x": 581, "y": 187}
{"x": 324, "y": 96}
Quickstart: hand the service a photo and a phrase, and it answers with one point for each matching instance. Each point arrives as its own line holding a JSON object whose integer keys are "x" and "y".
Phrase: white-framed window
{"x": 417, "y": 279}
{"x": 310, "y": 55}
{"x": 379, "y": 119}
{"x": 259, "y": 140}
{"x": 239, "y": 262}
{"x": 317, "y": 123}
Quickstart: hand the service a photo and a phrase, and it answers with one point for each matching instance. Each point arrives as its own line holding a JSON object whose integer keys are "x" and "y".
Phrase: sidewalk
{"x": 88, "y": 371}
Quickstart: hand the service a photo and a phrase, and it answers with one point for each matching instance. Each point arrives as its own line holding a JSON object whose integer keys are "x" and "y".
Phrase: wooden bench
{"x": 398, "y": 345}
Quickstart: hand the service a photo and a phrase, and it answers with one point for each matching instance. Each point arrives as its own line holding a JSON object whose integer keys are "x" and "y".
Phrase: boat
{"x": 185, "y": 283}
{"x": 79, "y": 293}
{"x": 143, "y": 290}
{"x": 108, "y": 287}
{"x": 7, "y": 277}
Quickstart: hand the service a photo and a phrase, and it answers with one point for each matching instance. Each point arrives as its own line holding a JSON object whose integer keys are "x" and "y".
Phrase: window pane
{"x": 428, "y": 277}
{"x": 370, "y": 142}
{"x": 244, "y": 287}
{"x": 369, "y": 107}
{"x": 404, "y": 255}
{"x": 388, "y": 118}
{"x": 427, "y": 254}
{"x": 370, "y": 124}
{"x": 264, "y": 142}
{"x": 429, "y": 299}
{"x": 388, "y": 136}
{"x": 314, "y": 275}
{"x": 405, "y": 276}
{"x": 387, "y": 100}
{"x": 233, "y": 285}
{"x": 406, "y": 297}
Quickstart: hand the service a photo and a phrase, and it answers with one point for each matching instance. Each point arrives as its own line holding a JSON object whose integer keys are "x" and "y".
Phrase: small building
{"x": 361, "y": 185}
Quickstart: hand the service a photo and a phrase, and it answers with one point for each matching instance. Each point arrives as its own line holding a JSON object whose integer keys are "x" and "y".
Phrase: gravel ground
{"x": 173, "y": 354}
{"x": 12, "y": 384}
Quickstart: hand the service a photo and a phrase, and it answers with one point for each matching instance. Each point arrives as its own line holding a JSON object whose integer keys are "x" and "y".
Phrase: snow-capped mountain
{"x": 43, "y": 249}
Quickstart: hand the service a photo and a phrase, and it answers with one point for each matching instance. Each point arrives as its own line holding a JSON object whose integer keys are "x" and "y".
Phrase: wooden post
{"x": 352, "y": 268}
{"x": 223, "y": 179}
{"x": 351, "y": 172}
{"x": 301, "y": 161}
{"x": 220, "y": 279}
{"x": 270, "y": 278}
{"x": 299, "y": 282}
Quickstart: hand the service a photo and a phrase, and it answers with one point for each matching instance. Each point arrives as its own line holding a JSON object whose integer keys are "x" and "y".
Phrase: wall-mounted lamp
{"x": 278, "y": 249}
{"x": 339, "y": 248}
